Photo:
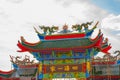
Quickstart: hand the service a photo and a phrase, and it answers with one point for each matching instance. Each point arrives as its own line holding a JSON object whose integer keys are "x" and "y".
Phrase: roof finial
{"x": 65, "y": 27}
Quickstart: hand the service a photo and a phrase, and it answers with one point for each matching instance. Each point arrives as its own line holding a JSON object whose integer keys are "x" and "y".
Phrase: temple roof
{"x": 63, "y": 45}
{"x": 6, "y": 74}
{"x": 65, "y": 42}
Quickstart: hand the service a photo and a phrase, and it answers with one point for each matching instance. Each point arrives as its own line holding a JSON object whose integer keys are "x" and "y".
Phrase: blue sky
{"x": 112, "y": 6}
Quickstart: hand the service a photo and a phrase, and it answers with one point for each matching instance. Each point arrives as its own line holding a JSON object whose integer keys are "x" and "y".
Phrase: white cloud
{"x": 112, "y": 22}
{"x": 15, "y": 1}
{"x": 82, "y": 11}
{"x": 67, "y": 3}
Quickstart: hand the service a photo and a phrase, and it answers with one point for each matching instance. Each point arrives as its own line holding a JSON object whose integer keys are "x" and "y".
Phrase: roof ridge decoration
{"x": 19, "y": 61}
{"x": 82, "y": 29}
{"x": 107, "y": 58}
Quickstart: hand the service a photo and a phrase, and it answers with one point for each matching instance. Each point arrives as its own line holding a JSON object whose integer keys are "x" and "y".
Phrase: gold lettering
{"x": 52, "y": 68}
{"x": 66, "y": 68}
{"x": 75, "y": 67}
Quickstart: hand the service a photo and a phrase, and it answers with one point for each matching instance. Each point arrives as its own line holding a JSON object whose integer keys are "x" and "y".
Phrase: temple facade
{"x": 67, "y": 54}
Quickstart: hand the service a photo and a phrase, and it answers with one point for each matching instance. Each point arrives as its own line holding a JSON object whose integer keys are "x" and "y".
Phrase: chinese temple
{"x": 65, "y": 54}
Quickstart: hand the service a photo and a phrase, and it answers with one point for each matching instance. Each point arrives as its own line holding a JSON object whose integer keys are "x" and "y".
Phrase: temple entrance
{"x": 64, "y": 66}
